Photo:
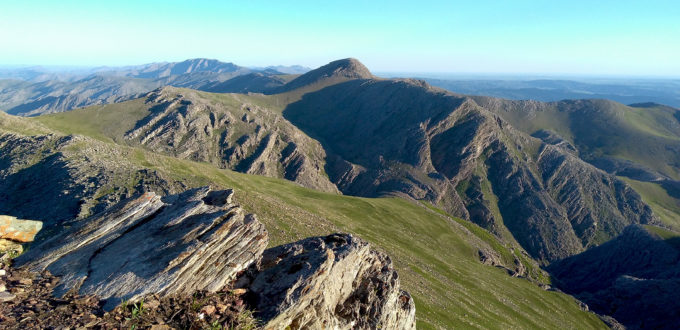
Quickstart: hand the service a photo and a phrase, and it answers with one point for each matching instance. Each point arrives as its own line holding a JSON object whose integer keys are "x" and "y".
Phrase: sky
{"x": 575, "y": 37}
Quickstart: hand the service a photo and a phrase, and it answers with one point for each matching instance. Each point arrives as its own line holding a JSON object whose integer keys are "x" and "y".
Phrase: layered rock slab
{"x": 196, "y": 240}
{"x": 331, "y": 282}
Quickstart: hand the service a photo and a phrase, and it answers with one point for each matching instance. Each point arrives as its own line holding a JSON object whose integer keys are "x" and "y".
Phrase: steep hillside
{"x": 231, "y": 131}
{"x": 403, "y": 137}
{"x": 375, "y": 138}
{"x": 641, "y": 141}
{"x": 334, "y": 72}
{"x": 438, "y": 261}
{"x": 634, "y": 277}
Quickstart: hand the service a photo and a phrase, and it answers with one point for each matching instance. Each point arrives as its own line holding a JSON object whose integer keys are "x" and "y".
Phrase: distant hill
{"x": 162, "y": 70}
{"x": 48, "y": 92}
{"x": 257, "y": 82}
{"x": 292, "y": 69}
{"x": 622, "y": 90}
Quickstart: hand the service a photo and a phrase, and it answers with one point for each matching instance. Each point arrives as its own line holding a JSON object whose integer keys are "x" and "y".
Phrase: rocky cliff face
{"x": 334, "y": 282}
{"x": 243, "y": 137}
{"x": 200, "y": 240}
{"x": 403, "y": 137}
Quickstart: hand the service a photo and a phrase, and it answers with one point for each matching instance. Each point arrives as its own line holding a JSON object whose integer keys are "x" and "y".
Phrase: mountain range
{"x": 518, "y": 185}
{"x": 34, "y": 91}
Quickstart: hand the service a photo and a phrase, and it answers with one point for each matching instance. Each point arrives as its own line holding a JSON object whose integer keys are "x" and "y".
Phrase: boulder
{"x": 18, "y": 230}
{"x": 177, "y": 244}
{"x": 332, "y": 282}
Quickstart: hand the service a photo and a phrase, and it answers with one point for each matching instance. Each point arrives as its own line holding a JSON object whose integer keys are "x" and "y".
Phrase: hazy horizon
{"x": 523, "y": 37}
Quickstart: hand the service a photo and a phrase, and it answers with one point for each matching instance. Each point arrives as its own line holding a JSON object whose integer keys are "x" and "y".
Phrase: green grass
{"x": 671, "y": 237}
{"x": 102, "y": 122}
{"x": 646, "y": 135}
{"x": 436, "y": 263}
{"x": 664, "y": 206}
{"x": 435, "y": 259}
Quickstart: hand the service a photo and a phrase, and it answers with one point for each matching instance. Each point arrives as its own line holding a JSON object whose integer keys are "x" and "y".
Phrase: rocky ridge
{"x": 406, "y": 138}
{"x": 200, "y": 240}
{"x": 177, "y": 244}
{"x": 245, "y": 137}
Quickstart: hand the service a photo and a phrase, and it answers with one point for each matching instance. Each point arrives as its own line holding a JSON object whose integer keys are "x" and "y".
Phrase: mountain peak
{"x": 344, "y": 69}
{"x": 347, "y": 68}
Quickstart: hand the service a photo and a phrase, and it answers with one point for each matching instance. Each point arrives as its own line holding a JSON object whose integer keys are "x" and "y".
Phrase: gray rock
{"x": 6, "y": 296}
{"x": 18, "y": 230}
{"x": 176, "y": 244}
{"x": 332, "y": 282}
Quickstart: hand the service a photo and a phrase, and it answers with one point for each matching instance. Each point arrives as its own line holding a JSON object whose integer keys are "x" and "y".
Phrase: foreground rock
{"x": 154, "y": 250}
{"x": 197, "y": 240}
{"x": 33, "y": 307}
{"x": 332, "y": 282}
{"x": 18, "y": 230}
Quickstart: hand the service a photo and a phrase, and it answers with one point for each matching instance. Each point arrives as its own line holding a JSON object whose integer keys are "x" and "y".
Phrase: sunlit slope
{"x": 605, "y": 132}
{"x": 436, "y": 257}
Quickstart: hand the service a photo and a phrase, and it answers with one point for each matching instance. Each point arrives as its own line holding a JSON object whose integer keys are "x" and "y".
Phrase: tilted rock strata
{"x": 197, "y": 240}
{"x": 332, "y": 282}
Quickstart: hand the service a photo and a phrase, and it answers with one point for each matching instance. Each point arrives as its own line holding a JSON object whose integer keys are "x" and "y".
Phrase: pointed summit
{"x": 347, "y": 68}
{"x": 336, "y": 71}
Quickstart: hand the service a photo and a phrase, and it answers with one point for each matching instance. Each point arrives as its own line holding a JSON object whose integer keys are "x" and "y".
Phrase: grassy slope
{"x": 639, "y": 134}
{"x": 437, "y": 264}
{"x": 663, "y": 205}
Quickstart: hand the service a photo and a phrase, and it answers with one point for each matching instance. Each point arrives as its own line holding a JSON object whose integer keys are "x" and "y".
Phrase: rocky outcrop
{"x": 200, "y": 240}
{"x": 197, "y": 240}
{"x": 332, "y": 282}
{"x": 243, "y": 137}
{"x": 18, "y": 230}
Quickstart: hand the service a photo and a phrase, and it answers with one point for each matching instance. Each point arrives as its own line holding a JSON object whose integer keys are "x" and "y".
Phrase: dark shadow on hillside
{"x": 46, "y": 183}
{"x": 672, "y": 188}
{"x": 30, "y": 106}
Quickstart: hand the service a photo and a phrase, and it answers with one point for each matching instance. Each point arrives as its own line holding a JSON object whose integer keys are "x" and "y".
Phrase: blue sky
{"x": 545, "y": 37}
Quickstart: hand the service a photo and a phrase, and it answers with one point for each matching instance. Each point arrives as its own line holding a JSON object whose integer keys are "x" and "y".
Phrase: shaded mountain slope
{"x": 403, "y": 137}
{"x": 253, "y": 82}
{"x": 634, "y": 277}
{"x": 438, "y": 261}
